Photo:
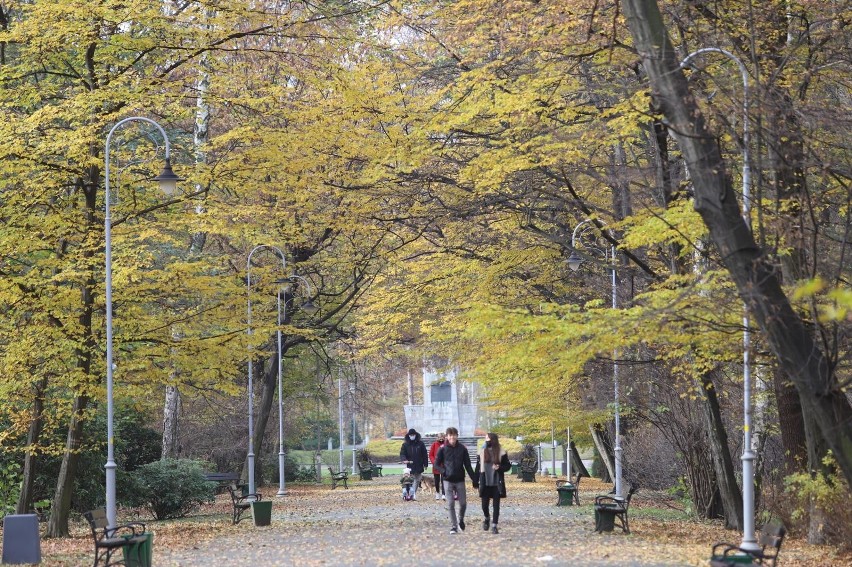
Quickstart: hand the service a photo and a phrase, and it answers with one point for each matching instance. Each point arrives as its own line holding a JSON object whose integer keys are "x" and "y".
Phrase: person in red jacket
{"x": 436, "y": 470}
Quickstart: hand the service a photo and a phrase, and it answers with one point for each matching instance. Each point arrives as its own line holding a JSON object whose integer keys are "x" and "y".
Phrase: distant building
{"x": 445, "y": 404}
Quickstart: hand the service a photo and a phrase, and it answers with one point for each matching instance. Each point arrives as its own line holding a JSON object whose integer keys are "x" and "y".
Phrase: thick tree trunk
{"x": 601, "y": 440}
{"x": 792, "y": 343}
{"x": 57, "y": 524}
{"x": 791, "y": 424}
{"x": 729, "y": 491}
{"x": 25, "y": 499}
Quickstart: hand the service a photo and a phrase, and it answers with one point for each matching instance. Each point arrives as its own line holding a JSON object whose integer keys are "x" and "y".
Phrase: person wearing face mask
{"x": 491, "y": 465}
{"x": 436, "y": 470}
{"x": 413, "y": 454}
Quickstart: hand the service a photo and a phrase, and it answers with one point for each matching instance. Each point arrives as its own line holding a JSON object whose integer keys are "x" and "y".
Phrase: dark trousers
{"x": 439, "y": 486}
{"x": 491, "y": 493}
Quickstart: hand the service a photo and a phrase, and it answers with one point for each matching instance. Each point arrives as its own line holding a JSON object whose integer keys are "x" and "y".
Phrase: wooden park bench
{"x": 609, "y": 508}
{"x": 108, "y": 540}
{"x": 377, "y": 469}
{"x": 528, "y": 468}
{"x": 569, "y": 490}
{"x": 241, "y": 502}
{"x": 338, "y": 477}
{"x": 730, "y": 555}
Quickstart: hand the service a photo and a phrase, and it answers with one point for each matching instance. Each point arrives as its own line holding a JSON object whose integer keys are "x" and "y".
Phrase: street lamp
{"x": 309, "y": 308}
{"x": 352, "y": 394}
{"x": 168, "y": 183}
{"x": 250, "y": 455}
{"x": 749, "y": 541}
{"x": 574, "y": 261}
{"x": 340, "y": 422}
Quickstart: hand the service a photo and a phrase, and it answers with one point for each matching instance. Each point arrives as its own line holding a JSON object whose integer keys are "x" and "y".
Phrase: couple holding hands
{"x": 450, "y": 462}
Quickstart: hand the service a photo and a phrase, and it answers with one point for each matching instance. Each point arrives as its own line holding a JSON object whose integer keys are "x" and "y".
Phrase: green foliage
{"x": 135, "y": 444}
{"x": 170, "y": 488}
{"x": 313, "y": 430}
{"x": 10, "y": 487}
{"x": 681, "y": 491}
{"x": 827, "y": 491}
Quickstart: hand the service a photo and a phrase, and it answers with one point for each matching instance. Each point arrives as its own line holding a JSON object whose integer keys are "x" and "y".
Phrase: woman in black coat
{"x": 491, "y": 465}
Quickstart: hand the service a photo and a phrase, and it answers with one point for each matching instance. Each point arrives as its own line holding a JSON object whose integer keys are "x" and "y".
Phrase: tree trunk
{"x": 717, "y": 437}
{"x": 791, "y": 424}
{"x": 270, "y": 384}
{"x": 171, "y": 412}
{"x": 601, "y": 439}
{"x": 25, "y": 499}
{"x": 793, "y": 344}
{"x": 787, "y": 178}
{"x": 57, "y": 524}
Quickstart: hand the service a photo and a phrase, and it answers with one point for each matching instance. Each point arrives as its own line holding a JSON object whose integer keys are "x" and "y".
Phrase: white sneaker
{"x": 414, "y": 497}
{"x": 437, "y": 497}
{"x": 443, "y": 497}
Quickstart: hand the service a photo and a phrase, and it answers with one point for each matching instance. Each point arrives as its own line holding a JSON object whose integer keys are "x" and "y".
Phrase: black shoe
{"x": 494, "y": 529}
{"x": 486, "y": 523}
{"x": 453, "y": 531}
{"x": 461, "y": 524}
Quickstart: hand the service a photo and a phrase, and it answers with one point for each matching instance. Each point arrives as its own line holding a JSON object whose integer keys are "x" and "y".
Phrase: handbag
{"x": 501, "y": 486}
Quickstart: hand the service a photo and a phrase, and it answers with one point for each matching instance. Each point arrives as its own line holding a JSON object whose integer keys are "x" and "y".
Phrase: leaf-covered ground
{"x": 369, "y": 524}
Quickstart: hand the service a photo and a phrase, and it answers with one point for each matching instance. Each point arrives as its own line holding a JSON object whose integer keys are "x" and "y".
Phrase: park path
{"x": 369, "y": 524}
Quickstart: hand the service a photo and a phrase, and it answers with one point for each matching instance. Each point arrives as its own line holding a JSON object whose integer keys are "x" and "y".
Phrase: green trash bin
{"x": 514, "y": 468}
{"x": 261, "y": 512}
{"x": 604, "y": 518}
{"x": 566, "y": 494}
{"x": 139, "y": 554}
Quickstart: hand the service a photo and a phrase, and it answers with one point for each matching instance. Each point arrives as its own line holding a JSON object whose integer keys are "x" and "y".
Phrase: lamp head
{"x": 574, "y": 261}
{"x": 309, "y": 307}
{"x": 167, "y": 179}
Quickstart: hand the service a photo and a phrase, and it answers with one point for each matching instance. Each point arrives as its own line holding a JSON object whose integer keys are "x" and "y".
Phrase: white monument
{"x": 445, "y": 404}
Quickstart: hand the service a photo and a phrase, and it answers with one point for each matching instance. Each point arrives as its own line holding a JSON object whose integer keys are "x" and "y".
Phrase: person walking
{"x": 491, "y": 465}
{"x": 413, "y": 453}
{"x": 453, "y": 459}
{"x": 436, "y": 470}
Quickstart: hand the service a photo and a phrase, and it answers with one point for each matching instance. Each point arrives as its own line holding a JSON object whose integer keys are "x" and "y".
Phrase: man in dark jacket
{"x": 454, "y": 459}
{"x": 414, "y": 454}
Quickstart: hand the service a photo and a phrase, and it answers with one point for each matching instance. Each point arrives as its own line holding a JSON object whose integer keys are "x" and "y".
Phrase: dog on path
{"x": 427, "y": 482}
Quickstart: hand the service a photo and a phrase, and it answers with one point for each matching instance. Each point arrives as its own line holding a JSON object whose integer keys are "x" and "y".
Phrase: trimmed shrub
{"x": 170, "y": 488}
{"x": 385, "y": 450}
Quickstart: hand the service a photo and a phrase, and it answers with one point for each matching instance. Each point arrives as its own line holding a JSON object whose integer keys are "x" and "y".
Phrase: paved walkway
{"x": 369, "y": 524}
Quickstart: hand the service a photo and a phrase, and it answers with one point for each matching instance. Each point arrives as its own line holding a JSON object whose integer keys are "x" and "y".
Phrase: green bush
{"x": 826, "y": 493}
{"x": 10, "y": 487}
{"x": 170, "y": 488}
{"x": 384, "y": 450}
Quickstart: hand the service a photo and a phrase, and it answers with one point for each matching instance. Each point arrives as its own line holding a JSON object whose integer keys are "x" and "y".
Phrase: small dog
{"x": 427, "y": 482}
